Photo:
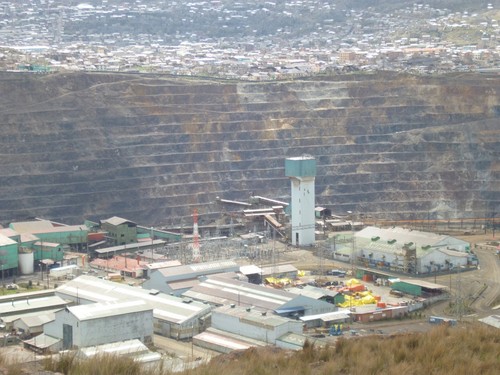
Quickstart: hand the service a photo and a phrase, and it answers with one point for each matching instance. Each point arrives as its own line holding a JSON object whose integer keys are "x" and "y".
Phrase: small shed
{"x": 419, "y": 288}
{"x": 327, "y": 319}
{"x": 31, "y": 325}
{"x": 43, "y": 344}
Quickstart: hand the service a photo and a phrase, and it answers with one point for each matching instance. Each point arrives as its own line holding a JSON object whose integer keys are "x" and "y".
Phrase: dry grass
{"x": 461, "y": 350}
{"x": 104, "y": 364}
{"x": 444, "y": 350}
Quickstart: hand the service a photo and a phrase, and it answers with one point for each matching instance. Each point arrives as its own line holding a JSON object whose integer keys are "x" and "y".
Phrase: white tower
{"x": 302, "y": 172}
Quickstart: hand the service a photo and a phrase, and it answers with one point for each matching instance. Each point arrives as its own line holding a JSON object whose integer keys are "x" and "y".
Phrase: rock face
{"x": 151, "y": 148}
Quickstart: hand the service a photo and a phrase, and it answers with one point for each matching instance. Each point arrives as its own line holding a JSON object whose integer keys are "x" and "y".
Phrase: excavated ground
{"x": 153, "y": 148}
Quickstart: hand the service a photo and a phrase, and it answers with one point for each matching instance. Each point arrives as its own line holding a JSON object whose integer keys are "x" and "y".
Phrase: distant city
{"x": 258, "y": 40}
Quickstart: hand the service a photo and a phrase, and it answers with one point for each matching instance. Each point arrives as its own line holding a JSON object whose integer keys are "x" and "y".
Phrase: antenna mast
{"x": 196, "y": 237}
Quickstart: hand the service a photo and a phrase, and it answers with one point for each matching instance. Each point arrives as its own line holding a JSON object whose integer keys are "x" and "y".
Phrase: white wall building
{"x": 253, "y": 324}
{"x": 404, "y": 250}
{"x": 173, "y": 316}
{"x": 102, "y": 323}
{"x": 179, "y": 279}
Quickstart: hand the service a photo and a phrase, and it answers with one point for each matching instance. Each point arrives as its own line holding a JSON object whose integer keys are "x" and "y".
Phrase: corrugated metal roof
{"x": 209, "y": 266}
{"x": 15, "y": 307}
{"x": 130, "y": 246}
{"x": 279, "y": 268}
{"x": 127, "y": 347}
{"x": 134, "y": 349}
{"x": 119, "y": 263}
{"x": 42, "y": 341}
{"x": 250, "y": 270}
{"x": 31, "y": 226}
{"x": 28, "y": 237}
{"x": 299, "y": 340}
{"x": 8, "y": 232}
{"x": 44, "y": 226}
{"x": 5, "y": 241}
{"x": 38, "y": 319}
{"x": 183, "y": 284}
{"x": 253, "y": 317}
{"x": 67, "y": 228}
{"x": 423, "y": 283}
{"x": 115, "y": 220}
{"x": 200, "y": 268}
{"x": 109, "y": 308}
{"x": 166, "y": 307}
{"x": 328, "y": 317}
{"x": 492, "y": 320}
{"x": 166, "y": 264}
{"x": 402, "y": 235}
{"x": 13, "y": 318}
{"x": 312, "y": 292}
{"x": 224, "y": 291}
{"x": 223, "y": 341}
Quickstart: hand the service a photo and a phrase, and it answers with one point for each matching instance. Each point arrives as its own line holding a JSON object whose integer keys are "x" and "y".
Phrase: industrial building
{"x": 74, "y": 236}
{"x": 371, "y": 313}
{"x": 323, "y": 294}
{"x": 48, "y": 250}
{"x": 29, "y": 325}
{"x": 27, "y": 243}
{"x": 9, "y": 259}
{"x": 219, "y": 291}
{"x": 102, "y": 323}
{"x": 418, "y": 288}
{"x": 302, "y": 173}
{"x": 405, "y": 251}
{"x": 179, "y": 279}
{"x": 119, "y": 231}
{"x": 141, "y": 249}
{"x": 288, "y": 271}
{"x": 17, "y": 305}
{"x": 26, "y": 313}
{"x": 326, "y": 320}
{"x": 243, "y": 327}
{"x": 256, "y": 325}
{"x": 172, "y": 316}
{"x": 133, "y": 349}
{"x": 123, "y": 265}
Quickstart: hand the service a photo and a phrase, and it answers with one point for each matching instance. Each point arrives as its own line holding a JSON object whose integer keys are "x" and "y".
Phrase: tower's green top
{"x": 302, "y": 166}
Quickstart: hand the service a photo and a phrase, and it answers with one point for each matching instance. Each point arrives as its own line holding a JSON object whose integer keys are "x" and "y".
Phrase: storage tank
{"x": 26, "y": 261}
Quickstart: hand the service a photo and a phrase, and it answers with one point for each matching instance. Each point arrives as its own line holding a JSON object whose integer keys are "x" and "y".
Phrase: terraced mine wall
{"x": 152, "y": 148}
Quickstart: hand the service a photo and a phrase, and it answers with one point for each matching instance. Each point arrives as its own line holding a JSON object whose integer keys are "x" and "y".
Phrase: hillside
{"x": 472, "y": 350}
{"x": 444, "y": 350}
{"x": 152, "y": 148}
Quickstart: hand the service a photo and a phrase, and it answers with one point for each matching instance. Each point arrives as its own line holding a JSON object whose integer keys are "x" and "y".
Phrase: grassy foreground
{"x": 445, "y": 350}
{"x": 462, "y": 350}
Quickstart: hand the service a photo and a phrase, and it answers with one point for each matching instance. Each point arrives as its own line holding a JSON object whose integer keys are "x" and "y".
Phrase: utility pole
{"x": 458, "y": 299}
{"x": 2, "y": 279}
{"x": 152, "y": 249}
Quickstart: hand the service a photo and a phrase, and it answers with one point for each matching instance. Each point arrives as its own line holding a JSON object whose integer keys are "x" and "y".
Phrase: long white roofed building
{"x": 219, "y": 290}
{"x": 172, "y": 316}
